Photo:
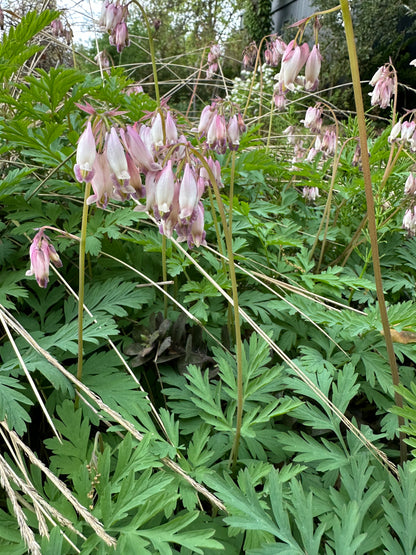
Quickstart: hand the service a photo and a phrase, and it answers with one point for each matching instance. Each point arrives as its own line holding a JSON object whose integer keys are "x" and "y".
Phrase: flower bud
{"x": 233, "y": 133}
{"x": 138, "y": 150}
{"x": 157, "y": 130}
{"x": 313, "y": 119}
{"x": 116, "y": 156}
{"x": 171, "y": 131}
{"x": 86, "y": 154}
{"x": 121, "y": 36}
{"x": 312, "y": 69}
{"x": 395, "y": 132}
{"x": 409, "y": 221}
{"x": 165, "y": 188}
{"x": 310, "y": 193}
{"x": 41, "y": 254}
{"x": 197, "y": 235}
{"x": 410, "y": 185}
{"x": 188, "y": 195}
{"x": 102, "y": 183}
{"x": 293, "y": 60}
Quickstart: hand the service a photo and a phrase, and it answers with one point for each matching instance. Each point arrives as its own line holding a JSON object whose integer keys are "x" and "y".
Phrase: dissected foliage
{"x": 141, "y": 458}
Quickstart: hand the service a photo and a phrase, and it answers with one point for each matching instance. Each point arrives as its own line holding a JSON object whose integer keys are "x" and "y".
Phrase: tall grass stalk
{"x": 372, "y": 228}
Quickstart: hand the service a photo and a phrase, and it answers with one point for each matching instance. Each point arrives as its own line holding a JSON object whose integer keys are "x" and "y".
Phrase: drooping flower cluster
{"x": 410, "y": 185}
{"x": 325, "y": 142}
{"x": 101, "y": 160}
{"x": 152, "y": 160}
{"x": 42, "y": 253}
{"x": 213, "y": 57}
{"x": 61, "y": 31}
{"x": 274, "y": 51}
{"x": 102, "y": 60}
{"x": 313, "y": 118}
{"x": 404, "y": 132}
{"x": 113, "y": 21}
{"x": 221, "y": 125}
{"x": 409, "y": 221}
{"x": 409, "y": 218}
{"x": 310, "y": 193}
{"x": 293, "y": 58}
{"x": 383, "y": 83}
{"x": 250, "y": 55}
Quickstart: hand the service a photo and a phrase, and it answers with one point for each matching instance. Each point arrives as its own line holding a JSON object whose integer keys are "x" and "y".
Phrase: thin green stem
{"x": 349, "y": 33}
{"x": 327, "y": 209}
{"x": 164, "y": 276}
{"x": 152, "y": 50}
{"x": 81, "y": 284}
{"x": 231, "y": 193}
{"x": 269, "y": 133}
{"x": 234, "y": 293}
{"x": 214, "y": 219}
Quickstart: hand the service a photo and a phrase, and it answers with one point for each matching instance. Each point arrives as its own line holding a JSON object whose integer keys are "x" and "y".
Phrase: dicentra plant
{"x": 211, "y": 361}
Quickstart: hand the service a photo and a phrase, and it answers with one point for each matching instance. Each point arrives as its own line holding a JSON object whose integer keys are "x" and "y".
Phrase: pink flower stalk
{"x": 313, "y": 119}
{"x": 188, "y": 195}
{"x": 410, "y": 185}
{"x": 383, "y": 84}
{"x": 42, "y": 253}
{"x": 165, "y": 188}
{"x": 102, "y": 183}
{"x": 294, "y": 58}
{"x": 86, "y": 153}
{"x": 312, "y": 69}
{"x": 116, "y": 156}
{"x": 310, "y": 193}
